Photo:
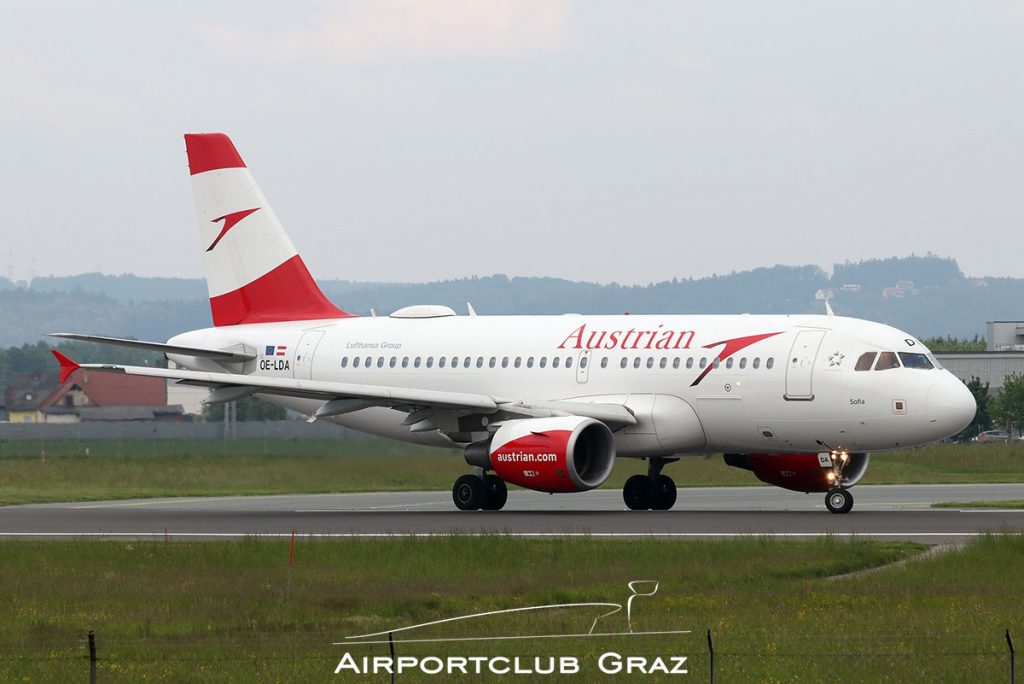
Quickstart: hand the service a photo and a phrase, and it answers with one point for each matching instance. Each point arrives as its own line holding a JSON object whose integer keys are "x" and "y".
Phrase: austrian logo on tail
{"x": 230, "y": 221}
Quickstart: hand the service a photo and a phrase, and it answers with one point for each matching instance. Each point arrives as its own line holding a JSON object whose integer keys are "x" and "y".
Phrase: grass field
{"x": 67, "y": 471}
{"x": 780, "y": 611}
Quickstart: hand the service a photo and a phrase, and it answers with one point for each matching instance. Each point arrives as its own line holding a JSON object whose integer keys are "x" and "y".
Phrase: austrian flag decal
{"x": 276, "y": 350}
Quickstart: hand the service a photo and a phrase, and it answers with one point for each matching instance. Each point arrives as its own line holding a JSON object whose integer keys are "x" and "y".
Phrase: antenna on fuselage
{"x": 373, "y": 312}
{"x": 472, "y": 311}
{"x": 828, "y": 309}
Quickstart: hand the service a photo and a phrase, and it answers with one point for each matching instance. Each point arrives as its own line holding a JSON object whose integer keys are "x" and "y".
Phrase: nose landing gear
{"x": 839, "y": 500}
{"x": 652, "y": 491}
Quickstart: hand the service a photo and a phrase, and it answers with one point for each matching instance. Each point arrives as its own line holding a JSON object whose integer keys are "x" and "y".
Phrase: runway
{"x": 882, "y": 512}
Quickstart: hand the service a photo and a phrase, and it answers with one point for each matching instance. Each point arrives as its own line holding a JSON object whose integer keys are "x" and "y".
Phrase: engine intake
{"x": 559, "y": 454}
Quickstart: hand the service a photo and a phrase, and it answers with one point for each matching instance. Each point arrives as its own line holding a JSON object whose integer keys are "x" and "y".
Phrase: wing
{"x": 428, "y": 409}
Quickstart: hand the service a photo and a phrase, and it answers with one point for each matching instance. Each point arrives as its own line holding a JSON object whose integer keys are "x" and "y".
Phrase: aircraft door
{"x": 800, "y": 367}
{"x": 304, "y": 354}
{"x": 583, "y": 367}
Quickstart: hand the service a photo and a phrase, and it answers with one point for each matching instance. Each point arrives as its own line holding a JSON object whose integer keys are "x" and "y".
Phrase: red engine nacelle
{"x": 559, "y": 454}
{"x": 800, "y": 472}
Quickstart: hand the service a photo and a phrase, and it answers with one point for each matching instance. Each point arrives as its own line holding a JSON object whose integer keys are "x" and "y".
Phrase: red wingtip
{"x": 67, "y": 366}
{"x": 211, "y": 151}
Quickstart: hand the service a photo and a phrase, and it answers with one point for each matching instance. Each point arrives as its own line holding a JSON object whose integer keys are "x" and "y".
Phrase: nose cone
{"x": 951, "y": 406}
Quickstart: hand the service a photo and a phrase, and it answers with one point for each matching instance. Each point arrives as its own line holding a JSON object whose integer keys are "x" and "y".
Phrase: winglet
{"x": 67, "y": 366}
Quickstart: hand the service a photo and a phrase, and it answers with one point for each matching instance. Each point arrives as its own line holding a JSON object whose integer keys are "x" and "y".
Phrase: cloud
{"x": 404, "y": 29}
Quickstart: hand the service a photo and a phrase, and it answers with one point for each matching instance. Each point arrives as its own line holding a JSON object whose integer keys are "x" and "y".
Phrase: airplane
{"x": 547, "y": 403}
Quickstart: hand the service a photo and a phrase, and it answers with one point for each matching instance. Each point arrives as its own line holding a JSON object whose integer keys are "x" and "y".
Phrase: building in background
{"x": 86, "y": 396}
{"x": 25, "y": 392}
{"x": 1002, "y": 336}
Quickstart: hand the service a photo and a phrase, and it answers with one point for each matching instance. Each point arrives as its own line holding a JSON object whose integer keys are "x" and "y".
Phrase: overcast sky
{"x": 418, "y": 140}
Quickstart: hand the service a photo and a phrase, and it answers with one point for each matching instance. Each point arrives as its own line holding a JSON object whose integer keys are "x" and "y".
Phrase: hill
{"x": 927, "y": 296}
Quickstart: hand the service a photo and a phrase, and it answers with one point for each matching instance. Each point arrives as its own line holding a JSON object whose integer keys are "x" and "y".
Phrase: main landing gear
{"x": 652, "y": 491}
{"x": 839, "y": 500}
{"x": 479, "y": 492}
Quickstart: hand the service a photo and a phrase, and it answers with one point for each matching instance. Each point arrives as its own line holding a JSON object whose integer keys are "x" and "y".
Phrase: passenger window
{"x": 650, "y": 362}
{"x": 430, "y": 362}
{"x": 479, "y": 362}
{"x": 368, "y": 361}
{"x": 493, "y": 362}
{"x": 675, "y": 362}
{"x": 441, "y": 361}
{"x": 344, "y": 362}
{"x": 623, "y": 362}
{"x": 555, "y": 361}
{"x": 865, "y": 361}
{"x": 355, "y": 362}
{"x": 529, "y": 362}
{"x": 689, "y": 362}
{"x": 663, "y": 363}
{"x": 769, "y": 363}
{"x": 915, "y": 361}
{"x": 728, "y": 362}
{"x": 604, "y": 362}
{"x": 380, "y": 362}
{"x": 887, "y": 361}
{"x": 405, "y": 362}
{"x": 757, "y": 362}
{"x": 743, "y": 363}
{"x": 543, "y": 361}
{"x": 716, "y": 363}
{"x": 583, "y": 362}
{"x": 568, "y": 362}
{"x": 504, "y": 362}
{"x": 416, "y": 362}
{"x": 518, "y": 362}
{"x": 703, "y": 362}
{"x": 636, "y": 362}
{"x": 466, "y": 361}
{"x": 455, "y": 362}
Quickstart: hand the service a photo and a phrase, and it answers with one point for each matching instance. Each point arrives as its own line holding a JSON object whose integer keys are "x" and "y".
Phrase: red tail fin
{"x": 253, "y": 272}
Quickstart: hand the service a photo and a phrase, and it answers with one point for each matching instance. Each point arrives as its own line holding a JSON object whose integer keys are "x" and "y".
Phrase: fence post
{"x": 711, "y": 654}
{"x": 391, "y": 647}
{"x": 1013, "y": 657}
{"x": 92, "y": 657}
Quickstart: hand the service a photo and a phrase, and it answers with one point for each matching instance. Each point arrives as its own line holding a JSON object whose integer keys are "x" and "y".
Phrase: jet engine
{"x": 804, "y": 472}
{"x": 558, "y": 454}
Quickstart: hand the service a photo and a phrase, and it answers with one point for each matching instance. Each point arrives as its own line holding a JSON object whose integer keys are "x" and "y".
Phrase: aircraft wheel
{"x": 664, "y": 493}
{"x": 497, "y": 493}
{"x": 638, "y": 493}
{"x": 469, "y": 493}
{"x": 839, "y": 501}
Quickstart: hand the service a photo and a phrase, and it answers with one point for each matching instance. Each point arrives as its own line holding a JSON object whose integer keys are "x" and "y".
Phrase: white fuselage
{"x": 784, "y": 384}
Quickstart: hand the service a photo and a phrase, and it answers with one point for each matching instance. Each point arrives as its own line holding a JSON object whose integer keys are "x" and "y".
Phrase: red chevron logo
{"x": 230, "y": 221}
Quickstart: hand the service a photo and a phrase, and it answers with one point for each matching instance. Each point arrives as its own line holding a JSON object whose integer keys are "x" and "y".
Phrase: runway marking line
{"x": 540, "y": 535}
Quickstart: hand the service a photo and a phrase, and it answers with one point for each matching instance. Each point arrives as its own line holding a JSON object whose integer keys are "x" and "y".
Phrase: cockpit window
{"x": 915, "y": 361}
{"x": 886, "y": 361}
{"x": 865, "y": 361}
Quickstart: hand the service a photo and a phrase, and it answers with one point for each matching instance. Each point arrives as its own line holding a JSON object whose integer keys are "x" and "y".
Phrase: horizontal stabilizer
{"x": 67, "y": 366}
{"x": 217, "y": 354}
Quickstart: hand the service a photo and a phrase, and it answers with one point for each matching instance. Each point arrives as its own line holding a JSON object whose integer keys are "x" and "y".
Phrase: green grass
{"x": 220, "y": 611}
{"x": 979, "y": 504}
{"x": 32, "y": 472}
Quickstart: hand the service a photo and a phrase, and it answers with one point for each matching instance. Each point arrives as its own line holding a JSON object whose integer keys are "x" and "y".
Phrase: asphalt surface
{"x": 881, "y": 512}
